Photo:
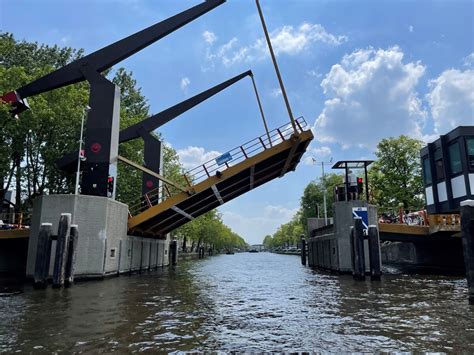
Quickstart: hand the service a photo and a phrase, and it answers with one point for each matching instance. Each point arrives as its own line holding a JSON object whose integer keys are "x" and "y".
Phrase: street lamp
{"x": 84, "y": 113}
{"x": 324, "y": 188}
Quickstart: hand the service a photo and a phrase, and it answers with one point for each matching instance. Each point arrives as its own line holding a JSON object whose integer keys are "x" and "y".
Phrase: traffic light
{"x": 360, "y": 185}
{"x": 110, "y": 186}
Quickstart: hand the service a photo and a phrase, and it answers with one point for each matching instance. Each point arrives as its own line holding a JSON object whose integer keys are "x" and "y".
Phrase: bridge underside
{"x": 221, "y": 187}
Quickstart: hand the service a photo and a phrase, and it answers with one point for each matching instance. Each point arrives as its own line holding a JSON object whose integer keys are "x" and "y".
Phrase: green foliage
{"x": 209, "y": 229}
{"x": 313, "y": 197}
{"x": 287, "y": 234}
{"x": 395, "y": 178}
{"x": 30, "y": 146}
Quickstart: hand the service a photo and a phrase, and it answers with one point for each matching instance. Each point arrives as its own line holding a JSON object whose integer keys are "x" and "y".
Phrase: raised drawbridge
{"x": 220, "y": 180}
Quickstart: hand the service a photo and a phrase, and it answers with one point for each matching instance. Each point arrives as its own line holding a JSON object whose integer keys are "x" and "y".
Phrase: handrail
{"x": 211, "y": 167}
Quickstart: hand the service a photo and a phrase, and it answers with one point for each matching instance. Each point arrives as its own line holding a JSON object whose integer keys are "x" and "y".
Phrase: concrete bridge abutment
{"x": 103, "y": 246}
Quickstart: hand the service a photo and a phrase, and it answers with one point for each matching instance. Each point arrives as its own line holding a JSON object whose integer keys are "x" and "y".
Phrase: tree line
{"x": 30, "y": 145}
{"x": 394, "y": 181}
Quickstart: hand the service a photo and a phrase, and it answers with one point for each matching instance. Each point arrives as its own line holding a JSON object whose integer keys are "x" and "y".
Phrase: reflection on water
{"x": 252, "y": 302}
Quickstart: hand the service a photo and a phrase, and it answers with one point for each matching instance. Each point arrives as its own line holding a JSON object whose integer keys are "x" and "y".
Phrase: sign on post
{"x": 224, "y": 158}
{"x": 362, "y": 213}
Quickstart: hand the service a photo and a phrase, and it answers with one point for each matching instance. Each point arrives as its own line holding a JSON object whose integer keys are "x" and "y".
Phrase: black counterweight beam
{"x": 108, "y": 56}
{"x": 153, "y": 122}
{"x": 69, "y": 161}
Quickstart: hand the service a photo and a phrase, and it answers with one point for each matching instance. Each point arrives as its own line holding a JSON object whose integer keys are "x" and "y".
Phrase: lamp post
{"x": 324, "y": 189}
{"x": 84, "y": 112}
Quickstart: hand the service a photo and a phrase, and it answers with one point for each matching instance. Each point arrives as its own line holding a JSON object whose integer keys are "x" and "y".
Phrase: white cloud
{"x": 209, "y": 37}
{"x": 411, "y": 28}
{"x": 316, "y": 155}
{"x": 314, "y": 73}
{"x": 192, "y": 157}
{"x": 276, "y": 92}
{"x": 254, "y": 229}
{"x": 371, "y": 95}
{"x": 184, "y": 83}
{"x": 451, "y": 99}
{"x": 285, "y": 40}
{"x": 468, "y": 61}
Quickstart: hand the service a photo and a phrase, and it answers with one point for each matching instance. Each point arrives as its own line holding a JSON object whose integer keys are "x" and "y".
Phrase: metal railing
{"x": 14, "y": 220}
{"x": 215, "y": 167}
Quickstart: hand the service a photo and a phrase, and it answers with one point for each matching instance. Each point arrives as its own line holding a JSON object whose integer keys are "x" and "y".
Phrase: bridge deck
{"x": 14, "y": 234}
{"x": 251, "y": 165}
{"x": 403, "y": 232}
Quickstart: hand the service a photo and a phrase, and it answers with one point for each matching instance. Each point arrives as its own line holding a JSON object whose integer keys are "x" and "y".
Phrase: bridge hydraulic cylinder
{"x": 43, "y": 255}
{"x": 467, "y": 230}
{"x": 61, "y": 250}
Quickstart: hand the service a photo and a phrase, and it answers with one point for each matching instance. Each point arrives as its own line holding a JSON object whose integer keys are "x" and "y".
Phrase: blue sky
{"x": 358, "y": 71}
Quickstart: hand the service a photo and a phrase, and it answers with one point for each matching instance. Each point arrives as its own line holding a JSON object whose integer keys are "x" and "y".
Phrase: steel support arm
{"x": 156, "y": 121}
{"x": 67, "y": 162}
{"x": 112, "y": 54}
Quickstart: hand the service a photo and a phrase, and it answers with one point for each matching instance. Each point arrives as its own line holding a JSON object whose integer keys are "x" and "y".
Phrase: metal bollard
{"x": 374, "y": 253}
{"x": 174, "y": 252}
{"x": 303, "y": 251}
{"x": 61, "y": 250}
{"x": 359, "y": 257}
{"x": 71, "y": 255}
{"x": 467, "y": 231}
{"x": 43, "y": 255}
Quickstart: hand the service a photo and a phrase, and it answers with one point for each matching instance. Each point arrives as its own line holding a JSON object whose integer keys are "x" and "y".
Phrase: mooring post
{"x": 374, "y": 253}
{"x": 43, "y": 255}
{"x": 71, "y": 255}
{"x": 351, "y": 239}
{"x": 303, "y": 250}
{"x": 358, "y": 242}
{"x": 174, "y": 252}
{"x": 61, "y": 250}
{"x": 467, "y": 231}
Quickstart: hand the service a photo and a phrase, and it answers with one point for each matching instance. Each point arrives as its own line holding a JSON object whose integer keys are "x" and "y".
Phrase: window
{"x": 455, "y": 158}
{"x": 112, "y": 253}
{"x": 439, "y": 164}
{"x": 427, "y": 171}
{"x": 470, "y": 153}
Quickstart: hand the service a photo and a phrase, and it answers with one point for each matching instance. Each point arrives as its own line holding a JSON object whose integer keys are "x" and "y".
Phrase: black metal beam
{"x": 116, "y": 52}
{"x": 156, "y": 121}
{"x": 69, "y": 161}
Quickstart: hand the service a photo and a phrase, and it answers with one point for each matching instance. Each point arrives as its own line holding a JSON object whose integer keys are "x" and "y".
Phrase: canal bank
{"x": 242, "y": 302}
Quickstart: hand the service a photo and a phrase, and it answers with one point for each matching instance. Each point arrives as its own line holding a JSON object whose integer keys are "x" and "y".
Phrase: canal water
{"x": 242, "y": 302}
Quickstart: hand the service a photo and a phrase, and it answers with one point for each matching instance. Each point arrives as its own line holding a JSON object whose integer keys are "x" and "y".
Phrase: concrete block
{"x": 102, "y": 223}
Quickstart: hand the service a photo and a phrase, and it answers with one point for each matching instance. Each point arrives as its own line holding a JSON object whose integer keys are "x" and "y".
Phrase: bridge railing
{"x": 218, "y": 164}
{"x": 14, "y": 220}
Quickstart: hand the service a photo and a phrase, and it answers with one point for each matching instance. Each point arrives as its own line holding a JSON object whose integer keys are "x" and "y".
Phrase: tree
{"x": 313, "y": 197}
{"x": 395, "y": 178}
{"x": 268, "y": 241}
{"x": 30, "y": 146}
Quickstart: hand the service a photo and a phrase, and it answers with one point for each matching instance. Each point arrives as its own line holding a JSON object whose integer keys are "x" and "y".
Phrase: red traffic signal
{"x": 360, "y": 185}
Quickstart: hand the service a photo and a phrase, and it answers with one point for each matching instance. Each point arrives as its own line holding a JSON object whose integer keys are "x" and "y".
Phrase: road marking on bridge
{"x": 181, "y": 212}
{"x": 218, "y": 195}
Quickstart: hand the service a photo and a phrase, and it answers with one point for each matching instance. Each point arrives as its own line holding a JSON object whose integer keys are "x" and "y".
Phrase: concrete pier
{"x": 329, "y": 247}
{"x": 103, "y": 246}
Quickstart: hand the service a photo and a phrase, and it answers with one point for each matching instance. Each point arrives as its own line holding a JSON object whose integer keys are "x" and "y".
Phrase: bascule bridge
{"x": 115, "y": 237}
